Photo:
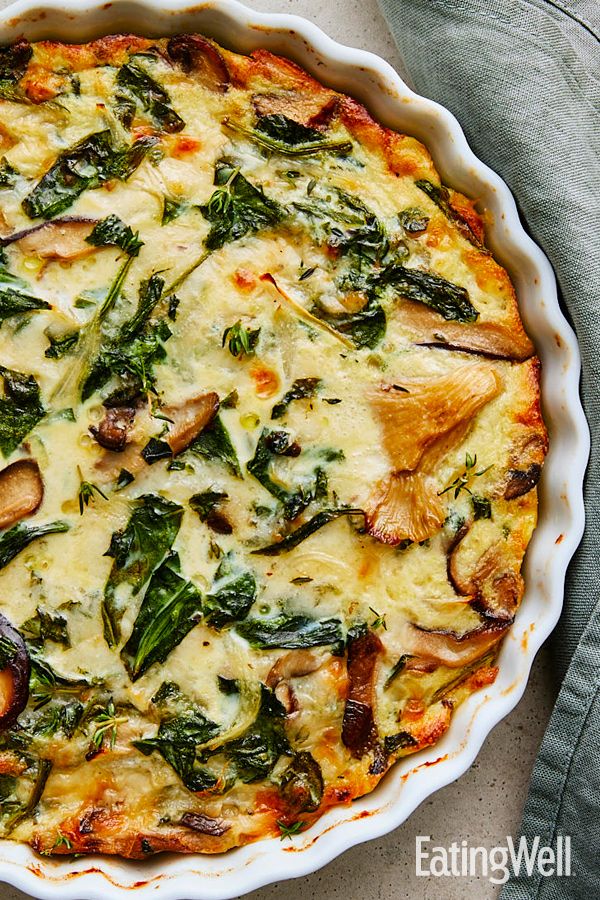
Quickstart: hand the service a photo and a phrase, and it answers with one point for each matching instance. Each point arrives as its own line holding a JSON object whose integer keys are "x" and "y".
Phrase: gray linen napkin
{"x": 523, "y": 79}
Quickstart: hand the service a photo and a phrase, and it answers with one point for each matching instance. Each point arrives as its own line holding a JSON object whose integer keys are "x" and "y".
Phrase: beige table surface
{"x": 485, "y": 805}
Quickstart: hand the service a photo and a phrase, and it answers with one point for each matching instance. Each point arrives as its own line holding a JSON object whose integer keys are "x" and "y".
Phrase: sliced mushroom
{"x": 313, "y": 110}
{"x": 295, "y": 664}
{"x": 188, "y": 419}
{"x": 197, "y": 56}
{"x": 450, "y": 649}
{"x": 359, "y": 731}
{"x": 21, "y": 491}
{"x": 420, "y": 426}
{"x": 114, "y": 429}
{"x": 14, "y": 676}
{"x": 490, "y": 581}
{"x": 60, "y": 239}
{"x": 204, "y": 824}
{"x": 489, "y": 339}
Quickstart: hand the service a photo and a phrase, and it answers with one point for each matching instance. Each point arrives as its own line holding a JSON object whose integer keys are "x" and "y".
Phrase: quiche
{"x": 270, "y": 435}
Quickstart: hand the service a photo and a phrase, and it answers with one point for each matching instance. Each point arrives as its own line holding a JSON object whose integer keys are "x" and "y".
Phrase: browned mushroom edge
{"x": 14, "y": 675}
{"x": 499, "y": 603}
{"x": 196, "y": 55}
{"x": 114, "y": 429}
{"x": 21, "y": 491}
{"x": 59, "y": 239}
{"x": 204, "y": 824}
{"x": 359, "y": 731}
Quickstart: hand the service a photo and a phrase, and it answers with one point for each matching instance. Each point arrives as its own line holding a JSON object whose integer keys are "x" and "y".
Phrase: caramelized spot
{"x": 266, "y": 381}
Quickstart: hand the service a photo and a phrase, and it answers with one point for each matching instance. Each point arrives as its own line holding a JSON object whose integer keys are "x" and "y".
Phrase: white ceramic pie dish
{"x": 375, "y": 83}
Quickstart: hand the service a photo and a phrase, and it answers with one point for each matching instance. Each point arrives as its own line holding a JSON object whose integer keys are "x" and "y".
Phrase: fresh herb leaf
{"x": 232, "y": 594}
{"x": 462, "y": 481}
{"x": 170, "y": 609}
{"x": 107, "y": 724}
{"x": 449, "y": 300}
{"x": 300, "y": 534}
{"x": 237, "y": 207}
{"x": 214, "y": 443}
{"x": 301, "y": 389}
{"x": 240, "y": 340}
{"x": 47, "y": 684}
{"x": 17, "y": 538}
{"x": 288, "y": 830}
{"x": 137, "y": 551}
{"x": 441, "y": 197}
{"x": 290, "y": 632}
{"x": 379, "y": 621}
{"x": 279, "y": 134}
{"x": 47, "y": 625}
{"x": 133, "y": 80}
{"x": 20, "y": 408}
{"x": 86, "y": 166}
{"x": 86, "y": 492}
{"x": 112, "y": 231}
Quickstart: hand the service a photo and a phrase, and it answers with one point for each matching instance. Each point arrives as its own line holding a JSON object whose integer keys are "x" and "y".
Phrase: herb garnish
{"x": 461, "y": 482}
{"x": 86, "y": 492}
{"x": 240, "y": 340}
{"x": 288, "y": 830}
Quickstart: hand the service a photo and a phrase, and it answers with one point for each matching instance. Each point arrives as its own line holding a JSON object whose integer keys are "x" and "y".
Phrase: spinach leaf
{"x": 14, "y": 298}
{"x": 155, "y": 450}
{"x": 14, "y": 60}
{"x": 13, "y": 541}
{"x": 206, "y": 505}
{"x": 131, "y": 355}
{"x": 112, "y": 231}
{"x": 413, "y": 220}
{"x": 172, "y": 209}
{"x": 482, "y": 507}
{"x": 133, "y": 80}
{"x": 365, "y": 328}
{"x": 86, "y": 166}
{"x": 301, "y": 389}
{"x": 290, "y": 632}
{"x": 176, "y": 741}
{"x": 256, "y": 753}
{"x": 26, "y": 809}
{"x": 214, "y": 443}
{"x": 232, "y": 594}
{"x": 8, "y": 174}
{"x": 137, "y": 551}
{"x": 279, "y": 134}
{"x": 237, "y": 207}
{"x": 449, "y": 300}
{"x": 46, "y": 684}
{"x": 47, "y": 625}
{"x": 302, "y": 783}
{"x": 62, "y": 345}
{"x": 270, "y": 445}
{"x": 400, "y": 741}
{"x": 20, "y": 408}
{"x": 170, "y": 609}
{"x": 441, "y": 197}
{"x": 296, "y": 537}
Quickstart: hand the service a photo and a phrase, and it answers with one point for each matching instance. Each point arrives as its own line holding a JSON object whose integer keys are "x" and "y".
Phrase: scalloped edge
{"x": 561, "y": 523}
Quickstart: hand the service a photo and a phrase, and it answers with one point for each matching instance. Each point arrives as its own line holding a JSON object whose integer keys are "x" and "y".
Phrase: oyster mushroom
{"x": 188, "y": 419}
{"x": 21, "y": 491}
{"x": 420, "y": 426}
{"x": 60, "y": 239}
{"x": 295, "y": 664}
{"x": 311, "y": 109}
{"x": 201, "y": 58}
{"x": 450, "y": 649}
{"x": 113, "y": 431}
{"x": 14, "y": 674}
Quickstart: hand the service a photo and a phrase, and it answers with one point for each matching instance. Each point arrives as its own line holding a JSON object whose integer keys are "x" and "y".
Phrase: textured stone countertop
{"x": 484, "y": 806}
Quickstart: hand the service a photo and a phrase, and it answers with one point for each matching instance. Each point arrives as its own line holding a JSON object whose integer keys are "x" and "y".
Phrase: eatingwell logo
{"x": 495, "y": 863}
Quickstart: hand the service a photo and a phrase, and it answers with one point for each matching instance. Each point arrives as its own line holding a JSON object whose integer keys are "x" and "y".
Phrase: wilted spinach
{"x": 272, "y": 444}
{"x": 20, "y": 408}
{"x": 14, "y": 60}
{"x": 86, "y": 166}
{"x": 449, "y": 300}
{"x": 47, "y": 625}
{"x": 232, "y": 594}
{"x": 176, "y": 741}
{"x": 301, "y": 389}
{"x": 112, "y": 231}
{"x": 290, "y": 632}
{"x": 441, "y": 197}
{"x": 8, "y": 174}
{"x": 134, "y": 82}
{"x": 214, "y": 443}
{"x": 302, "y": 784}
{"x": 14, "y": 297}
{"x": 279, "y": 134}
{"x": 62, "y": 345}
{"x": 255, "y": 754}
{"x": 170, "y": 609}
{"x": 364, "y": 328}
{"x": 237, "y": 207}
{"x": 300, "y": 534}
{"x": 137, "y": 551}
{"x": 13, "y": 541}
